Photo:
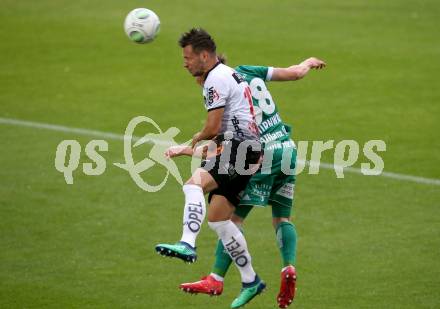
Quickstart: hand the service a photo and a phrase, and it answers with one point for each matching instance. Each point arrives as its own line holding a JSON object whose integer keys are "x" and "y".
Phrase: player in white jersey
{"x": 231, "y": 124}
{"x": 238, "y": 116}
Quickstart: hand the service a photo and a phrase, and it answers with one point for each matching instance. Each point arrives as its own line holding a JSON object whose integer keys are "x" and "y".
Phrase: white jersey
{"x": 225, "y": 88}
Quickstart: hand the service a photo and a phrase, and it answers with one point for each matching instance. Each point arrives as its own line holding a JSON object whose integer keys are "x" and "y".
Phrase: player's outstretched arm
{"x": 212, "y": 126}
{"x": 185, "y": 150}
{"x": 297, "y": 71}
{"x": 178, "y": 150}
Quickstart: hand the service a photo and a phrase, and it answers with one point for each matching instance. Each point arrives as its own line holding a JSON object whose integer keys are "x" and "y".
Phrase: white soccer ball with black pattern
{"x": 142, "y": 25}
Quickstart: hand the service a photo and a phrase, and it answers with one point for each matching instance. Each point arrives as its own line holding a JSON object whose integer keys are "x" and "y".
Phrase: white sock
{"x": 284, "y": 268}
{"x": 236, "y": 246}
{"x": 216, "y": 277}
{"x": 193, "y": 213}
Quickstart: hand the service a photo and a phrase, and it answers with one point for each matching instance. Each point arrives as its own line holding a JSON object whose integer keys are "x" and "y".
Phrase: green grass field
{"x": 364, "y": 242}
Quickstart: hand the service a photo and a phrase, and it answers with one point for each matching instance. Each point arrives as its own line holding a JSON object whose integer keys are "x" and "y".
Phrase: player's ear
{"x": 201, "y": 58}
{"x": 204, "y": 55}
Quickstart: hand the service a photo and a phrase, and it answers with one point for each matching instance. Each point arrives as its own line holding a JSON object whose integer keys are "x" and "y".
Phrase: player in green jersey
{"x": 269, "y": 186}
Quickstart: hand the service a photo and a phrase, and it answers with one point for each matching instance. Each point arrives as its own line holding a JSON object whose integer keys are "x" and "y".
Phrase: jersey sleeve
{"x": 263, "y": 72}
{"x": 215, "y": 92}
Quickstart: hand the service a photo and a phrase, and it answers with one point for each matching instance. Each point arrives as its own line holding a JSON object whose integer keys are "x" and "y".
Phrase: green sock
{"x": 222, "y": 260}
{"x": 286, "y": 237}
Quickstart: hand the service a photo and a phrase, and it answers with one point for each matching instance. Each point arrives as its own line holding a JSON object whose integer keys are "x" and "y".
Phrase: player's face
{"x": 193, "y": 62}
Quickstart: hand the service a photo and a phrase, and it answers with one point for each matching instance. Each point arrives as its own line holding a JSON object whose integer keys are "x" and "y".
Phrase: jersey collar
{"x": 209, "y": 71}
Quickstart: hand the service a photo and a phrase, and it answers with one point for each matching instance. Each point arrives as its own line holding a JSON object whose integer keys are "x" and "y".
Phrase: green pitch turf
{"x": 364, "y": 242}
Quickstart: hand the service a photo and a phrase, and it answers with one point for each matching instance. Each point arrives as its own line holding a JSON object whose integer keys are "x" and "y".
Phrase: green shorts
{"x": 270, "y": 187}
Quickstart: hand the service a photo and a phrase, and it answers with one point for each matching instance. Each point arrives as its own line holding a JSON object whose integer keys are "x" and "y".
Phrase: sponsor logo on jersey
{"x": 212, "y": 96}
{"x": 238, "y": 77}
{"x": 235, "y": 123}
{"x": 268, "y": 137}
{"x": 269, "y": 123}
{"x": 246, "y": 198}
{"x": 286, "y": 190}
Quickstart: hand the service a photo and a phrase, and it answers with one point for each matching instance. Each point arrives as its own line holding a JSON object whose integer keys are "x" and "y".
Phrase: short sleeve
{"x": 269, "y": 74}
{"x": 215, "y": 93}
{"x": 263, "y": 72}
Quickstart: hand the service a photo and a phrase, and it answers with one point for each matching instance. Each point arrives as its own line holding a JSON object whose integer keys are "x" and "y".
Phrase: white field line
{"x": 109, "y": 135}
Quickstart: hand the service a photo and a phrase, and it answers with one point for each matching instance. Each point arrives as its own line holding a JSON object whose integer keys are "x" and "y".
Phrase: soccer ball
{"x": 142, "y": 25}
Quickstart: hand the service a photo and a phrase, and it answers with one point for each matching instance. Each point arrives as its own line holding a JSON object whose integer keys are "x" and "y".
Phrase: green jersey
{"x": 269, "y": 185}
{"x": 271, "y": 127}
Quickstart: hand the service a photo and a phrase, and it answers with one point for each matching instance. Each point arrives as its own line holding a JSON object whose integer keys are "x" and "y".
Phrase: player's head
{"x": 198, "y": 51}
{"x": 220, "y": 58}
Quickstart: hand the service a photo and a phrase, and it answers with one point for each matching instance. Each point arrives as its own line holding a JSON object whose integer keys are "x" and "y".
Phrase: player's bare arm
{"x": 184, "y": 150}
{"x": 297, "y": 71}
{"x": 178, "y": 150}
{"x": 212, "y": 126}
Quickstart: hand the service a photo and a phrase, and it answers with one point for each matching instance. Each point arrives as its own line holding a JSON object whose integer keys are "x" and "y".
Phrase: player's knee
{"x": 194, "y": 180}
{"x": 191, "y": 187}
{"x": 217, "y": 226}
{"x": 277, "y": 220}
{"x": 238, "y": 221}
{"x": 203, "y": 179}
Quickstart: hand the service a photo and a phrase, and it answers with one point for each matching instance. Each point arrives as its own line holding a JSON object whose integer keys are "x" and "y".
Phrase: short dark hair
{"x": 199, "y": 39}
{"x": 222, "y": 58}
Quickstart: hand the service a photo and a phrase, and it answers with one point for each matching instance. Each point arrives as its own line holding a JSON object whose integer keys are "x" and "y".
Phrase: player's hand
{"x": 175, "y": 151}
{"x": 195, "y": 139}
{"x": 314, "y": 63}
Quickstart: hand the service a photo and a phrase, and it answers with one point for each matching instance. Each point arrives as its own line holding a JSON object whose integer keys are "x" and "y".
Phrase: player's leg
{"x": 286, "y": 238}
{"x": 194, "y": 212}
{"x": 281, "y": 199}
{"x": 222, "y": 201}
{"x": 257, "y": 192}
{"x": 220, "y": 212}
{"x": 219, "y": 219}
{"x": 222, "y": 258}
{"x": 193, "y": 216}
{"x": 213, "y": 283}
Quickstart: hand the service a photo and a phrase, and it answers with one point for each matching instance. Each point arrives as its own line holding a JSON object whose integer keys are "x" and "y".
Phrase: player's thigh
{"x": 281, "y": 197}
{"x": 256, "y": 193}
{"x": 203, "y": 179}
{"x": 241, "y": 212}
{"x": 280, "y": 213}
{"x": 220, "y": 209}
{"x": 237, "y": 219}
